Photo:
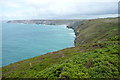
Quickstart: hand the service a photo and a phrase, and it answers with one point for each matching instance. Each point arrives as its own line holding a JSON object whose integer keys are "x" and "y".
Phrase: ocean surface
{"x": 23, "y": 41}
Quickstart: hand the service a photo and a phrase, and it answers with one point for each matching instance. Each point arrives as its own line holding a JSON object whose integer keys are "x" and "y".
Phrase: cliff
{"x": 95, "y": 55}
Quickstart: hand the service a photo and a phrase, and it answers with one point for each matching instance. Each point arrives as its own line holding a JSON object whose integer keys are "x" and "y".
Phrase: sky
{"x": 57, "y": 9}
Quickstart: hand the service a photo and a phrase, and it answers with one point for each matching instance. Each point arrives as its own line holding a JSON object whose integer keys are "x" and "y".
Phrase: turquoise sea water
{"x": 23, "y": 41}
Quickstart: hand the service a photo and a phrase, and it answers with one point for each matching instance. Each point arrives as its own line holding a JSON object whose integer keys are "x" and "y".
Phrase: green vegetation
{"x": 95, "y": 55}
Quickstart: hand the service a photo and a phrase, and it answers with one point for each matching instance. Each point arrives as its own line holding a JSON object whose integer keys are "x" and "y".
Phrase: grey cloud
{"x": 60, "y": 9}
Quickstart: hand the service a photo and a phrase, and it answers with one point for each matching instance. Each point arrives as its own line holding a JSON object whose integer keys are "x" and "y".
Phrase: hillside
{"x": 95, "y": 55}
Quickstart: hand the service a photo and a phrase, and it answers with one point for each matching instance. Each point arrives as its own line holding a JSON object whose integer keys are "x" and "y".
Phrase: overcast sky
{"x": 58, "y": 9}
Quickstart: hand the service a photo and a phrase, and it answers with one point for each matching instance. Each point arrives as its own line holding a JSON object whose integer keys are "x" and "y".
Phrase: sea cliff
{"x": 95, "y": 55}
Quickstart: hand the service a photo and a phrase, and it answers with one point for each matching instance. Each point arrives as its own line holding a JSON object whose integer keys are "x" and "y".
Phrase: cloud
{"x": 52, "y": 9}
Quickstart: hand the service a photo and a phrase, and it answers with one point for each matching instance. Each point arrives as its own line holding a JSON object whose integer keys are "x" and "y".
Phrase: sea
{"x": 23, "y": 41}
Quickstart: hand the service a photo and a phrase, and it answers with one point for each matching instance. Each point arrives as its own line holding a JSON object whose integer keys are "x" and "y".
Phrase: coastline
{"x": 70, "y": 26}
{"x": 99, "y": 36}
{"x": 64, "y": 27}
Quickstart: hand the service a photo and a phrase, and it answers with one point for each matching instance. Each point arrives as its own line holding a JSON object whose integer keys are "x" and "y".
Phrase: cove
{"x": 23, "y": 41}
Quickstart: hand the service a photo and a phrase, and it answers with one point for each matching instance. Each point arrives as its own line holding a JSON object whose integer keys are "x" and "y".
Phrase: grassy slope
{"x": 95, "y": 55}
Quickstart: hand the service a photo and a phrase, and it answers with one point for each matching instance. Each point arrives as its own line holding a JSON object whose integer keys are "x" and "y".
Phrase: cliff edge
{"x": 95, "y": 55}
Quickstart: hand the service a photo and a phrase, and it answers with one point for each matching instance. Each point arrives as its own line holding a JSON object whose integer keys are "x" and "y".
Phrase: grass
{"x": 95, "y": 55}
